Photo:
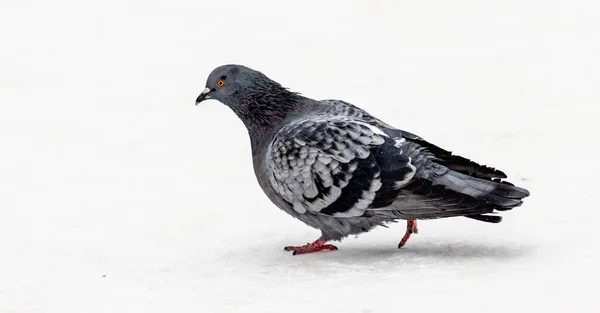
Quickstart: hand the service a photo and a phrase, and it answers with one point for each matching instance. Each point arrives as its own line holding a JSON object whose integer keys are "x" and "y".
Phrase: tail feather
{"x": 452, "y": 194}
{"x": 486, "y": 218}
{"x": 421, "y": 199}
{"x": 481, "y": 183}
{"x": 504, "y": 196}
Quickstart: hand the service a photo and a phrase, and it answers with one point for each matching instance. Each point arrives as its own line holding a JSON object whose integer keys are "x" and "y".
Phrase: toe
{"x": 330, "y": 247}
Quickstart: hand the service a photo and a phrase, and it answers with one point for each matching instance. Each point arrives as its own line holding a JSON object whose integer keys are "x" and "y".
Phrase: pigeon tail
{"x": 502, "y": 195}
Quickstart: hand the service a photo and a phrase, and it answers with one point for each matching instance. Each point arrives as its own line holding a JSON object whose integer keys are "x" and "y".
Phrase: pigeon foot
{"x": 318, "y": 245}
{"x": 411, "y": 228}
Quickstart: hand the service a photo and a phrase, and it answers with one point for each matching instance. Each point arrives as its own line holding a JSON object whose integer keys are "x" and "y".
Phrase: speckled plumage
{"x": 338, "y": 169}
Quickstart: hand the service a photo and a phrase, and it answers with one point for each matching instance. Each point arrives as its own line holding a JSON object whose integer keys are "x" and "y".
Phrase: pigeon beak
{"x": 203, "y": 95}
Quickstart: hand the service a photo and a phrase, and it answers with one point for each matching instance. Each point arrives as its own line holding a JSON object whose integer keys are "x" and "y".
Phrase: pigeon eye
{"x": 220, "y": 83}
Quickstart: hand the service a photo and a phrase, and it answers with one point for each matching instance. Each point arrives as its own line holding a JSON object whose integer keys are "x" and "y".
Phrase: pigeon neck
{"x": 263, "y": 113}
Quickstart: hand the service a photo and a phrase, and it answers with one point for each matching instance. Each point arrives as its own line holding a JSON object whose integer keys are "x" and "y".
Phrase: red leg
{"x": 318, "y": 245}
{"x": 411, "y": 228}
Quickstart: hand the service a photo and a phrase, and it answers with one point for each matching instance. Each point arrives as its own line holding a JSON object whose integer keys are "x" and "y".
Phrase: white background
{"x": 117, "y": 194}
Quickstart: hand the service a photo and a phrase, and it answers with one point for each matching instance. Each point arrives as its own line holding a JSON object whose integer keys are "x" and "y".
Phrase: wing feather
{"x": 336, "y": 166}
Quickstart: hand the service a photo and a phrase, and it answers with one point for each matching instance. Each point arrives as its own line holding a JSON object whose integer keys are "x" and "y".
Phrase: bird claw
{"x": 411, "y": 228}
{"x": 318, "y": 245}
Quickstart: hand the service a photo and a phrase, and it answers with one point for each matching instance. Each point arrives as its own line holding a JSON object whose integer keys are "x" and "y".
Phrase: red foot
{"x": 318, "y": 245}
{"x": 411, "y": 228}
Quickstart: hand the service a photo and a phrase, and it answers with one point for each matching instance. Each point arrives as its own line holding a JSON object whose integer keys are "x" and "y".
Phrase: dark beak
{"x": 203, "y": 95}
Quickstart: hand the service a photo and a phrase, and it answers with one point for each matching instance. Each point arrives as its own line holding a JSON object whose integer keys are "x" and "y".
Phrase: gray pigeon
{"x": 339, "y": 169}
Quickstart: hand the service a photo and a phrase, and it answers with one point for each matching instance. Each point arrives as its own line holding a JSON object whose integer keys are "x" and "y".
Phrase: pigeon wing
{"x": 336, "y": 166}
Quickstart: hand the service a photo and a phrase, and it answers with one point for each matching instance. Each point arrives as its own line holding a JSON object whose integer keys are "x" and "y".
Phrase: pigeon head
{"x": 256, "y": 99}
{"x": 226, "y": 83}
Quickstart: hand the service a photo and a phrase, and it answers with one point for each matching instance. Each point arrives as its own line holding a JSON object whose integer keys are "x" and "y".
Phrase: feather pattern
{"x": 337, "y": 167}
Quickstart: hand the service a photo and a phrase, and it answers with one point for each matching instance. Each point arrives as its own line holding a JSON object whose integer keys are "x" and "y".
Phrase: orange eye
{"x": 220, "y": 83}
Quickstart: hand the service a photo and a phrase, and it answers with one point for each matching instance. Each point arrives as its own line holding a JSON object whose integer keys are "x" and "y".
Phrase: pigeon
{"x": 339, "y": 169}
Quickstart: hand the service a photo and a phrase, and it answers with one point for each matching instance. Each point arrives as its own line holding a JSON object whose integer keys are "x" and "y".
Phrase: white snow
{"x": 117, "y": 194}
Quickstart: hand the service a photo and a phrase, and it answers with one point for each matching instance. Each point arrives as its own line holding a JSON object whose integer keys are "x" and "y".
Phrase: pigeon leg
{"x": 318, "y": 245}
{"x": 411, "y": 228}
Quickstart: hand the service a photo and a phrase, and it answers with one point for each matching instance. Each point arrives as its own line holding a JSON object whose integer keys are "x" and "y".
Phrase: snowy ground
{"x": 117, "y": 194}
